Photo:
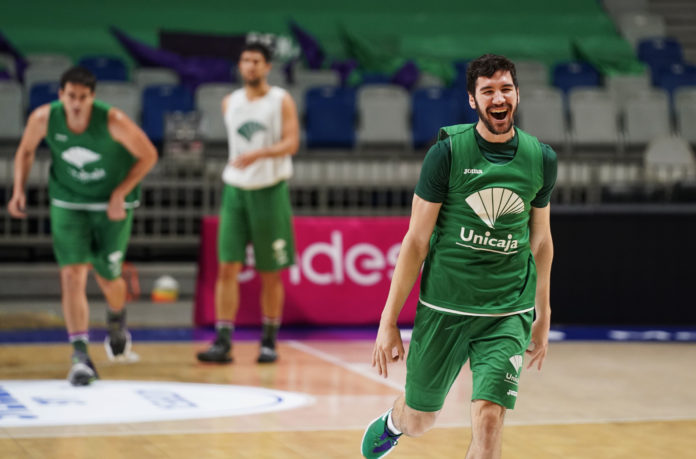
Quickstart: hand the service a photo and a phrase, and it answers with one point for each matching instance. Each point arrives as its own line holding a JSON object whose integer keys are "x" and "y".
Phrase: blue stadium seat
{"x": 330, "y": 117}
{"x": 460, "y": 73}
{"x": 159, "y": 100}
{"x": 433, "y": 108}
{"x": 674, "y": 76}
{"x": 567, "y": 75}
{"x": 466, "y": 113}
{"x": 375, "y": 78}
{"x": 42, "y": 93}
{"x": 658, "y": 52}
{"x": 106, "y": 68}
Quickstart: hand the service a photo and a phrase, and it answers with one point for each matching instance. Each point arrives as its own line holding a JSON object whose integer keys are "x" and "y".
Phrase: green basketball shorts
{"x": 442, "y": 343}
{"x": 83, "y": 236}
{"x": 261, "y": 217}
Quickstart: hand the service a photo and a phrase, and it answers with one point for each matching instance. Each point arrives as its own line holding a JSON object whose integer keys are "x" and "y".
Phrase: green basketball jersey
{"x": 480, "y": 262}
{"x": 86, "y": 167}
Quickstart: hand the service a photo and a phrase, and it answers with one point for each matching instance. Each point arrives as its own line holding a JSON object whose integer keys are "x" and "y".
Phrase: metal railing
{"x": 179, "y": 192}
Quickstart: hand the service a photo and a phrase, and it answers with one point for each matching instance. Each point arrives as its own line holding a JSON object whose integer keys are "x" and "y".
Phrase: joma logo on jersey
{"x": 472, "y": 171}
{"x": 248, "y": 129}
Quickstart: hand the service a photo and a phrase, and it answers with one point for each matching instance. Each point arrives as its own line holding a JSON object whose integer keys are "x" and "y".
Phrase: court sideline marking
{"x": 343, "y": 364}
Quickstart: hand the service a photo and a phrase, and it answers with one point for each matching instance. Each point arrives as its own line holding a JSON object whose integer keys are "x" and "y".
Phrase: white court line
{"x": 343, "y": 364}
{"x": 138, "y": 430}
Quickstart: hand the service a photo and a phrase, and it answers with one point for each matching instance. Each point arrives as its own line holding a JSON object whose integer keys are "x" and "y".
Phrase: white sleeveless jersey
{"x": 252, "y": 125}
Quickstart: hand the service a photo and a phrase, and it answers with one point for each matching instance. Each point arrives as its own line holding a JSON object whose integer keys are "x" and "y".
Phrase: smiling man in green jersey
{"x": 98, "y": 158}
{"x": 480, "y": 222}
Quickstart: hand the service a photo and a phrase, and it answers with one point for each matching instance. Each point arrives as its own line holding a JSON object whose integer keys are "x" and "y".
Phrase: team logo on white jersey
{"x": 248, "y": 129}
{"x": 492, "y": 203}
{"x": 79, "y": 157}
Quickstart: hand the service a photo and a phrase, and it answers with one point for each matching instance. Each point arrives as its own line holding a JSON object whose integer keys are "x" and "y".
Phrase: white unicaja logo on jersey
{"x": 79, "y": 157}
{"x": 491, "y": 204}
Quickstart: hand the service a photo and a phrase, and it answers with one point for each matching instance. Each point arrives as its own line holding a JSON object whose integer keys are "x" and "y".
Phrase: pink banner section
{"x": 343, "y": 268}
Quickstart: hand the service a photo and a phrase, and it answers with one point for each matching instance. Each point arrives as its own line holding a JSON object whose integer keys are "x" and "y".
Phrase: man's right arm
{"x": 36, "y": 129}
{"x": 414, "y": 248}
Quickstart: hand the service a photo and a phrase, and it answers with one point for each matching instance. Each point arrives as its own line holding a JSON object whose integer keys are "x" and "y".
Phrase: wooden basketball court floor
{"x": 591, "y": 400}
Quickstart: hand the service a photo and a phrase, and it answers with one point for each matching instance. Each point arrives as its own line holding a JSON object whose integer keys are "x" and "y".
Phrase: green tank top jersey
{"x": 480, "y": 262}
{"x": 86, "y": 167}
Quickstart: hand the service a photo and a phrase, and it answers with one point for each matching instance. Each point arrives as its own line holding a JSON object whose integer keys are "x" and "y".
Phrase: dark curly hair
{"x": 486, "y": 66}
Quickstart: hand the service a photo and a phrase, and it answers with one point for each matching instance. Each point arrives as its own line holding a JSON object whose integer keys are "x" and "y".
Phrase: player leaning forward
{"x": 98, "y": 158}
{"x": 480, "y": 222}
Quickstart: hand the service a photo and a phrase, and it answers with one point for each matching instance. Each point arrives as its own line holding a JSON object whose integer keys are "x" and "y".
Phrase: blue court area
{"x": 150, "y": 334}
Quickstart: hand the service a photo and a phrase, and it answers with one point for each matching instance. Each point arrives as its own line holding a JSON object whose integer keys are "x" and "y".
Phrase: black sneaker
{"x": 218, "y": 352}
{"x": 82, "y": 372}
{"x": 118, "y": 345}
{"x": 267, "y": 354}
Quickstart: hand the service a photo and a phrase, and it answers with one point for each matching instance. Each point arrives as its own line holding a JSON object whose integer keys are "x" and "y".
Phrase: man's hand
{"x": 117, "y": 207}
{"x": 388, "y": 348}
{"x": 17, "y": 205}
{"x": 539, "y": 345}
{"x": 246, "y": 159}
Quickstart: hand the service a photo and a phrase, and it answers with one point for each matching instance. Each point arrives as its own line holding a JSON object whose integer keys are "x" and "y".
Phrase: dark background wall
{"x": 624, "y": 266}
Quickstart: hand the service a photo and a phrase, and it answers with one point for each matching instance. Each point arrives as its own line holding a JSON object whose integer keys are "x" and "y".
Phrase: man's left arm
{"x": 541, "y": 245}
{"x": 127, "y": 133}
{"x": 289, "y": 140}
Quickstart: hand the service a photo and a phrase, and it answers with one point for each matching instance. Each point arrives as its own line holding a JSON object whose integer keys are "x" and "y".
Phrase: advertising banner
{"x": 342, "y": 272}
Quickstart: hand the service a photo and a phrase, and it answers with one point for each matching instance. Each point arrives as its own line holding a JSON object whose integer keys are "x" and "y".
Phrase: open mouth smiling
{"x": 499, "y": 113}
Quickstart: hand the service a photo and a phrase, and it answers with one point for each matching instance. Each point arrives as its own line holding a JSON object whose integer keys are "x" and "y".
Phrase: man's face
{"x": 77, "y": 100}
{"x": 253, "y": 68}
{"x": 496, "y": 101}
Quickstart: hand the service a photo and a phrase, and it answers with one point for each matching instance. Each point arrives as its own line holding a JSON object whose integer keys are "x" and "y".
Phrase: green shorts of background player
{"x": 84, "y": 239}
{"x": 263, "y": 219}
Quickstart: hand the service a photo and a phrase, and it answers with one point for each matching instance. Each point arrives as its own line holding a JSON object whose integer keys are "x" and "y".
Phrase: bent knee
{"x": 229, "y": 271}
{"x": 490, "y": 415}
{"x": 418, "y": 423}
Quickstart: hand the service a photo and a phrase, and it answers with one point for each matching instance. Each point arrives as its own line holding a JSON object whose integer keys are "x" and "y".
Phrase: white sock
{"x": 390, "y": 425}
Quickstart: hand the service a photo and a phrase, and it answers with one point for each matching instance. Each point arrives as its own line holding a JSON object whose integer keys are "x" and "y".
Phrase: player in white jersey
{"x": 263, "y": 132}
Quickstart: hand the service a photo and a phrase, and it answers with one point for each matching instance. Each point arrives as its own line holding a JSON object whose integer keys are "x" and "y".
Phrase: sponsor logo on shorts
{"x": 512, "y": 392}
{"x": 512, "y": 379}
{"x": 516, "y": 361}
{"x": 115, "y": 259}
{"x": 280, "y": 252}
